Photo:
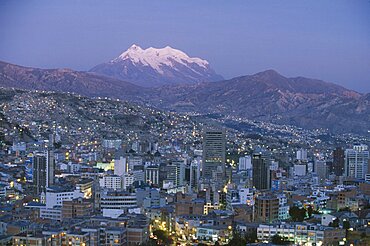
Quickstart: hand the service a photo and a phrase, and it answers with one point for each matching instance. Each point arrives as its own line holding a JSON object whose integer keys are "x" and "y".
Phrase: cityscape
{"x": 154, "y": 147}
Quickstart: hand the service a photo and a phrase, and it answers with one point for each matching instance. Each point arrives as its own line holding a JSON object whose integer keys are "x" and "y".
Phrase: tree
{"x": 309, "y": 211}
{"x": 346, "y": 209}
{"x": 335, "y": 223}
{"x": 162, "y": 237}
{"x": 237, "y": 240}
{"x": 278, "y": 240}
{"x": 346, "y": 224}
{"x": 297, "y": 214}
{"x": 150, "y": 242}
{"x": 251, "y": 237}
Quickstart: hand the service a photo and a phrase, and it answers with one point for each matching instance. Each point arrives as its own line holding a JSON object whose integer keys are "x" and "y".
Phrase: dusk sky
{"x": 328, "y": 40}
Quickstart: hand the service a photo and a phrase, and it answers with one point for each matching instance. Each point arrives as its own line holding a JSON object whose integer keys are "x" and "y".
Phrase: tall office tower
{"x": 214, "y": 144}
{"x": 194, "y": 174}
{"x": 338, "y": 161}
{"x": 43, "y": 171}
{"x": 261, "y": 171}
{"x": 50, "y": 170}
{"x": 245, "y": 163}
{"x": 321, "y": 170}
{"x": 176, "y": 172}
{"x": 356, "y": 161}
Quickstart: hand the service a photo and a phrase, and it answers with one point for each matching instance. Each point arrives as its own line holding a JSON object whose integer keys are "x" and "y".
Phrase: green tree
{"x": 335, "y": 223}
{"x": 251, "y": 237}
{"x": 297, "y": 214}
{"x": 278, "y": 240}
{"x": 150, "y": 242}
{"x": 309, "y": 211}
{"x": 346, "y": 224}
{"x": 162, "y": 236}
{"x": 237, "y": 240}
{"x": 347, "y": 209}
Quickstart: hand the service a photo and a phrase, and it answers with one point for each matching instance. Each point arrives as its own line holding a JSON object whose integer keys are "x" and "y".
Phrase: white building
{"x": 283, "y": 207}
{"x": 120, "y": 166}
{"x": 245, "y": 163}
{"x": 246, "y": 196}
{"x": 356, "y": 161}
{"x": 112, "y": 143}
{"x": 302, "y": 233}
{"x": 54, "y": 200}
{"x": 302, "y": 155}
{"x": 111, "y": 182}
{"x": 326, "y": 219}
{"x": 55, "y": 197}
{"x": 114, "y": 203}
{"x": 128, "y": 180}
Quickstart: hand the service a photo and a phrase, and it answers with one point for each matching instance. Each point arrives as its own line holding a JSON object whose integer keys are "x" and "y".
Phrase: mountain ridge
{"x": 65, "y": 80}
{"x": 269, "y": 96}
{"x": 266, "y": 96}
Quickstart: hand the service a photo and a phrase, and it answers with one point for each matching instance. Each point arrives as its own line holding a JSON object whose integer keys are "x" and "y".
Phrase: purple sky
{"x": 329, "y": 40}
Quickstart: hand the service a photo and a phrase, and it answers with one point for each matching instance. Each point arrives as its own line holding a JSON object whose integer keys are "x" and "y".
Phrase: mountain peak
{"x": 268, "y": 73}
{"x": 135, "y": 47}
{"x": 157, "y": 66}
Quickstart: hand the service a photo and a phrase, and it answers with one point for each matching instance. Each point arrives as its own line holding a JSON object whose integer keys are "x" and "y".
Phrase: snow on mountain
{"x": 156, "y": 67}
{"x": 158, "y": 57}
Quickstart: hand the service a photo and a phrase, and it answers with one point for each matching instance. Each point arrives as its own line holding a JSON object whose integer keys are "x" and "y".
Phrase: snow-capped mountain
{"x": 155, "y": 67}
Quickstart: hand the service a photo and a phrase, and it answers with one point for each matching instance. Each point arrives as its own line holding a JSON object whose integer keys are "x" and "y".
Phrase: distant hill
{"x": 155, "y": 67}
{"x": 266, "y": 96}
{"x": 269, "y": 96}
{"x": 65, "y": 80}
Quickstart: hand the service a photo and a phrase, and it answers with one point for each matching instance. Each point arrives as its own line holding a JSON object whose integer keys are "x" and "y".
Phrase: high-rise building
{"x": 194, "y": 174}
{"x": 266, "y": 209}
{"x": 214, "y": 142}
{"x": 356, "y": 161}
{"x": 261, "y": 171}
{"x": 176, "y": 172}
{"x": 338, "y": 161}
{"x": 43, "y": 171}
{"x": 321, "y": 170}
